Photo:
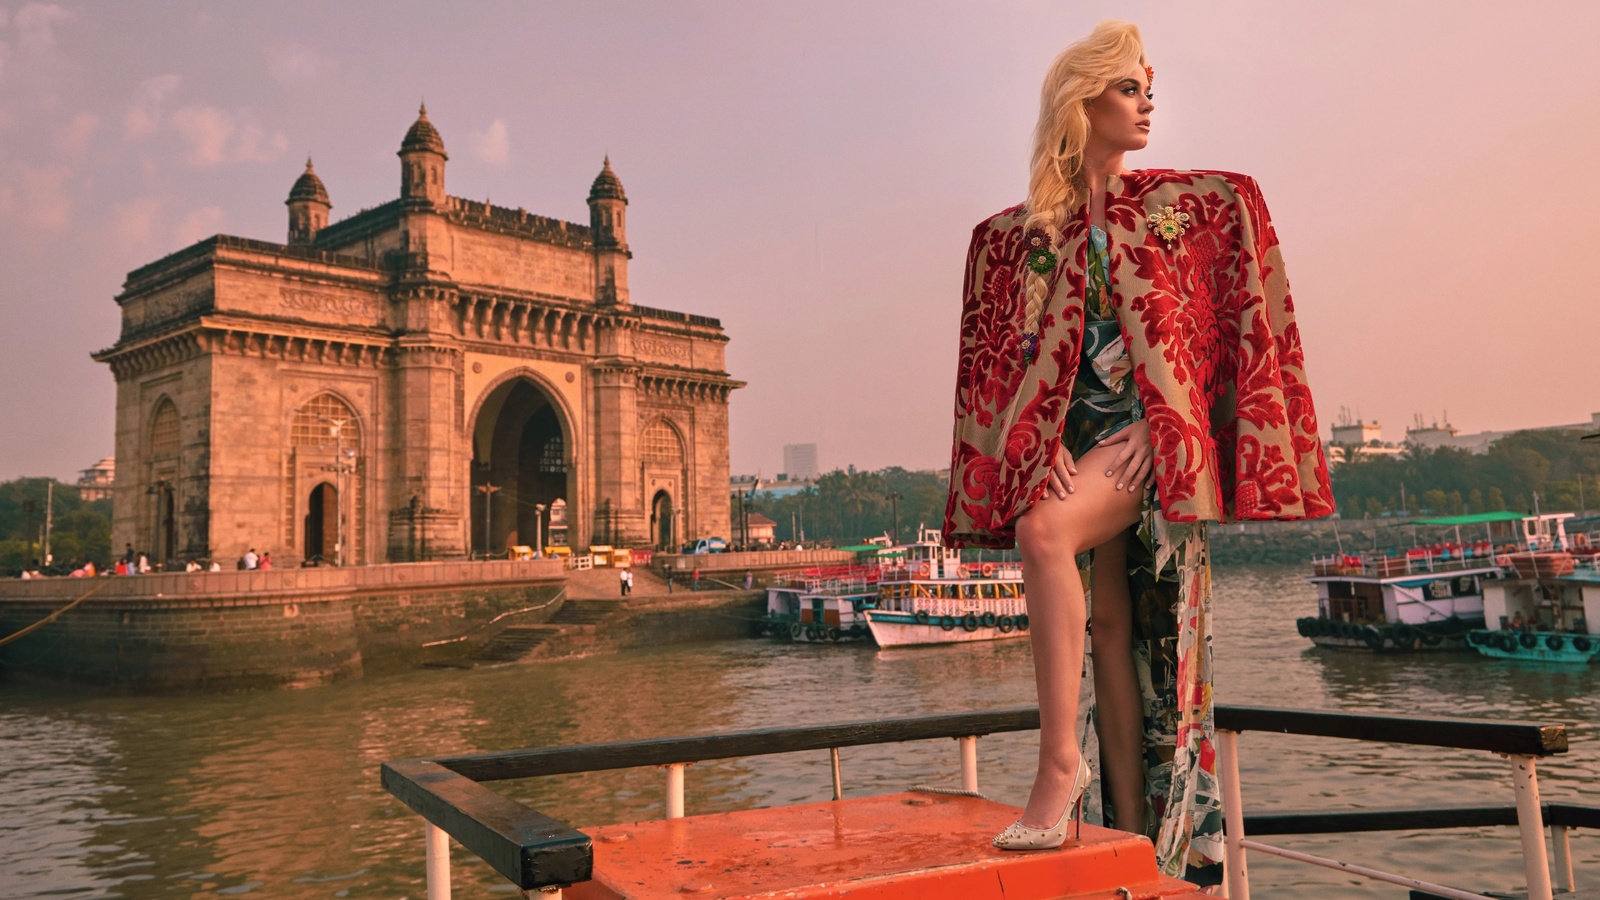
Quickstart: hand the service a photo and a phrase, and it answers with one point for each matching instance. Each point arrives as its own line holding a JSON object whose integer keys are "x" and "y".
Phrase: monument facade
{"x": 425, "y": 379}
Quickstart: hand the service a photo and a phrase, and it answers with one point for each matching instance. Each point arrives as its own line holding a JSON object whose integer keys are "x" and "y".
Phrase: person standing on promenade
{"x": 251, "y": 560}
{"x": 695, "y": 584}
{"x": 749, "y": 579}
{"x": 1129, "y": 369}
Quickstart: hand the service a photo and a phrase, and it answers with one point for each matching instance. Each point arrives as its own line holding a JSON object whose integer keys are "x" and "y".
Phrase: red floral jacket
{"x": 1209, "y": 327}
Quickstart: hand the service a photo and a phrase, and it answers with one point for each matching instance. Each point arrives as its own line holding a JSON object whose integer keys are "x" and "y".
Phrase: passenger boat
{"x": 822, "y": 604}
{"x": 1548, "y": 610}
{"x": 932, "y": 597}
{"x": 1425, "y": 599}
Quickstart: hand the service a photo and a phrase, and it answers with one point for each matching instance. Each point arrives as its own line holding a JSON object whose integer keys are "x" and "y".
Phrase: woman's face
{"x": 1119, "y": 119}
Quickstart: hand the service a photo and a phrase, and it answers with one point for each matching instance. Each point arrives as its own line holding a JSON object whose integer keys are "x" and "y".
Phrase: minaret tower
{"x": 422, "y": 159}
{"x": 608, "y": 220}
{"x": 308, "y": 207}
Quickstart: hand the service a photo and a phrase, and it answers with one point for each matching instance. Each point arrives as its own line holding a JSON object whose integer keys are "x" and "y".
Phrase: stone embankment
{"x": 285, "y": 627}
{"x": 595, "y": 618}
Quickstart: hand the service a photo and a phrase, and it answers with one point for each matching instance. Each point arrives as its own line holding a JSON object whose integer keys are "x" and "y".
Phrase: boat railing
{"x": 539, "y": 853}
{"x": 1376, "y": 566}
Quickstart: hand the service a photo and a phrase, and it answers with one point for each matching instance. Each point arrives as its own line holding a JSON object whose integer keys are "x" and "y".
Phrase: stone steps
{"x": 584, "y": 612}
{"x": 514, "y": 642}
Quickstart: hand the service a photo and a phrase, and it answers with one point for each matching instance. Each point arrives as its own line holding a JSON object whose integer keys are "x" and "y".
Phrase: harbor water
{"x": 277, "y": 795}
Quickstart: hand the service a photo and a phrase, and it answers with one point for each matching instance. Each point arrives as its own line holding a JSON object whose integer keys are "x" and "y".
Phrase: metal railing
{"x": 538, "y": 853}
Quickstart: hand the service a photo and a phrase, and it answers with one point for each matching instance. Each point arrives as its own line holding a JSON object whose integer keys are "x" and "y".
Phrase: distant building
{"x": 1436, "y": 434}
{"x": 95, "y": 482}
{"x": 800, "y": 461}
{"x": 1358, "y": 433}
{"x": 1357, "y": 438}
{"x": 762, "y": 529}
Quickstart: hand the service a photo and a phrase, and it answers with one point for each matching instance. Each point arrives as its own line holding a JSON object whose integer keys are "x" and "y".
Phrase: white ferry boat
{"x": 1428, "y": 598}
{"x": 932, "y": 597}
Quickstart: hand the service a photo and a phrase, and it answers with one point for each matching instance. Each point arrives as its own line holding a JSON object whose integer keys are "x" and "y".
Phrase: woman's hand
{"x": 1061, "y": 472}
{"x": 1133, "y": 466}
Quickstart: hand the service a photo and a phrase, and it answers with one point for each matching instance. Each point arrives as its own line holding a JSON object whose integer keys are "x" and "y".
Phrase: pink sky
{"x": 810, "y": 173}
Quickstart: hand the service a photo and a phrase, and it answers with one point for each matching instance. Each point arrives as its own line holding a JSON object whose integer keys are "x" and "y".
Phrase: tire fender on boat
{"x": 969, "y": 622}
{"x": 921, "y": 616}
{"x": 948, "y": 623}
{"x": 1022, "y": 622}
{"x": 795, "y": 630}
{"x": 1528, "y": 639}
{"x": 1581, "y": 644}
{"x": 988, "y": 568}
{"x": 988, "y": 620}
{"x": 1373, "y": 637}
{"x": 1006, "y": 624}
{"x": 1555, "y": 642}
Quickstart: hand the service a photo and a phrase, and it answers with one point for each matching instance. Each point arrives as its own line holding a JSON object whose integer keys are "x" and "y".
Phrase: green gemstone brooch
{"x": 1168, "y": 224}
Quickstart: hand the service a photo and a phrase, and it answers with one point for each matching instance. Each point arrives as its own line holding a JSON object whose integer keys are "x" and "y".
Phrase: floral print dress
{"x": 1169, "y": 583}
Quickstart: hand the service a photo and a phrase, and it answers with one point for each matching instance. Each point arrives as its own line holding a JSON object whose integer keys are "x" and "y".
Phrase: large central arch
{"x": 521, "y": 458}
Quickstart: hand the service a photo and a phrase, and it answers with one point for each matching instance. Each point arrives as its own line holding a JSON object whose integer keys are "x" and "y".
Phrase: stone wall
{"x": 233, "y": 630}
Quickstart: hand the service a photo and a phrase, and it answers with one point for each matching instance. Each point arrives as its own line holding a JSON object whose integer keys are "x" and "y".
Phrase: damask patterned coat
{"x": 1209, "y": 327}
{"x": 1215, "y": 356}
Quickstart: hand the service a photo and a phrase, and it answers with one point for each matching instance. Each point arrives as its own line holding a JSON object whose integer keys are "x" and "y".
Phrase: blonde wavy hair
{"x": 1076, "y": 77}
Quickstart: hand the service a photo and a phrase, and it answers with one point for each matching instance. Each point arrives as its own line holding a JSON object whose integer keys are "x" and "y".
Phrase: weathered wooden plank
{"x": 1533, "y": 738}
{"x": 527, "y": 847}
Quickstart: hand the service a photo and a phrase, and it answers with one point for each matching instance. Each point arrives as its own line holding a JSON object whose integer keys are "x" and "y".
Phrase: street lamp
{"x": 538, "y": 530}
{"x": 488, "y": 491}
{"x": 161, "y": 490}
{"x": 744, "y": 514}
{"x": 336, "y": 428}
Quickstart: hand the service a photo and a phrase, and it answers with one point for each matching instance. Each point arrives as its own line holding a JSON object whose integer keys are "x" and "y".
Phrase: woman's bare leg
{"x": 1119, "y": 709}
{"x": 1050, "y": 535}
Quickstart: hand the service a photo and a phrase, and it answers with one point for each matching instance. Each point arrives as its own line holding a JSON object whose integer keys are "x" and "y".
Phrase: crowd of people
{"x": 138, "y": 562}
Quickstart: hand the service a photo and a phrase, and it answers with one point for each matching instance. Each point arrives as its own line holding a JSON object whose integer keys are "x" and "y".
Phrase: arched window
{"x": 164, "y": 430}
{"x": 660, "y": 444}
{"x": 552, "y": 456}
{"x": 314, "y": 424}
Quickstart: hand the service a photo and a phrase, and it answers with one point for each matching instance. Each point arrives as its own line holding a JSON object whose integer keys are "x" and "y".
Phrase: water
{"x": 277, "y": 794}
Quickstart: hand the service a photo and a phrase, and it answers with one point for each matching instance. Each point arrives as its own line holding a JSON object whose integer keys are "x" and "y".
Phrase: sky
{"x": 809, "y": 173}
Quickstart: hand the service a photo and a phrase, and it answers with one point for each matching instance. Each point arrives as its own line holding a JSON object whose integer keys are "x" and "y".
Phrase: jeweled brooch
{"x": 1041, "y": 259}
{"x": 1030, "y": 347}
{"x": 1169, "y": 224}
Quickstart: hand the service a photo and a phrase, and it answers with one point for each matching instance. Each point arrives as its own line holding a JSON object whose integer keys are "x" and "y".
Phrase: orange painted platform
{"x": 911, "y": 846}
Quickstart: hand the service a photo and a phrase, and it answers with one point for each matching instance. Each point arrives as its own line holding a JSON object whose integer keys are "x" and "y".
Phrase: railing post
{"x": 838, "y": 782}
{"x": 1238, "y": 876}
{"x": 675, "y": 790}
{"x": 438, "y": 861}
{"x": 1563, "y": 848}
{"x": 1530, "y": 822}
{"x": 969, "y": 762}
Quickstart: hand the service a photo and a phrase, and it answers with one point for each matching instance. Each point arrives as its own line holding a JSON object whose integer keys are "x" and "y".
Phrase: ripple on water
{"x": 277, "y": 794}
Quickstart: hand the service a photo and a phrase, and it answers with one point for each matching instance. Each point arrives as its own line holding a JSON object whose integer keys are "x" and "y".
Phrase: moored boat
{"x": 1426, "y": 599}
{"x": 1549, "y": 609}
{"x": 935, "y": 598}
{"x": 822, "y": 604}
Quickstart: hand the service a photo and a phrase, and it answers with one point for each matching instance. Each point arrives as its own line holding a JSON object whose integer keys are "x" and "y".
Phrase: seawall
{"x": 285, "y": 627}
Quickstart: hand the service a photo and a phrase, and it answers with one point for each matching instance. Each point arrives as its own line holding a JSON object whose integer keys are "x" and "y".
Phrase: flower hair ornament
{"x": 1041, "y": 259}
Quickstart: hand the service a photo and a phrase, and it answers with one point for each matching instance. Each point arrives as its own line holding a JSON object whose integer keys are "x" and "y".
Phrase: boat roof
{"x": 1504, "y": 515}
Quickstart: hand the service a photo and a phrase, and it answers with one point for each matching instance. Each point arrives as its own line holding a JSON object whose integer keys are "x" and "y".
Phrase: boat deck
{"x": 889, "y": 847}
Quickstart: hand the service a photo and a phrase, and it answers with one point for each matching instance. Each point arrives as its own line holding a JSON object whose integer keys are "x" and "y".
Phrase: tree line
{"x": 80, "y": 530}
{"x": 1563, "y": 471}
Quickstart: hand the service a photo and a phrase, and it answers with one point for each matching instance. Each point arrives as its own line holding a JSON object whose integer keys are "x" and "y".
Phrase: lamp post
{"x": 538, "y": 530}
{"x": 336, "y": 428}
{"x": 161, "y": 490}
{"x": 894, "y": 506}
{"x": 488, "y": 491}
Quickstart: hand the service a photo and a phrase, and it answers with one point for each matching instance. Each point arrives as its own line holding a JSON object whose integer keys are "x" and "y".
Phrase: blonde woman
{"x": 1129, "y": 369}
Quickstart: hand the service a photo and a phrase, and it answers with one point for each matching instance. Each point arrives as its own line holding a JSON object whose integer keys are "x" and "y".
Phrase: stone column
{"x": 618, "y": 513}
{"x": 428, "y": 499}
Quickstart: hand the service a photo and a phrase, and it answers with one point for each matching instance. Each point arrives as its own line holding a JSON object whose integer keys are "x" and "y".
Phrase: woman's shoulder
{"x": 1004, "y": 220}
{"x": 1145, "y": 180}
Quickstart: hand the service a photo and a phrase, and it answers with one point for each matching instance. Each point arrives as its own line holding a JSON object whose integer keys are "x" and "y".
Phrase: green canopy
{"x": 862, "y": 548}
{"x": 1504, "y": 515}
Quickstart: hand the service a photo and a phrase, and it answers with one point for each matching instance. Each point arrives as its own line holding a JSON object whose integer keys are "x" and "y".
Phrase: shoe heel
{"x": 1077, "y": 819}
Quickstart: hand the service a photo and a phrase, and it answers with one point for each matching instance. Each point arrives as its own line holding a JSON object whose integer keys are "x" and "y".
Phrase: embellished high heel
{"x": 1018, "y": 836}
